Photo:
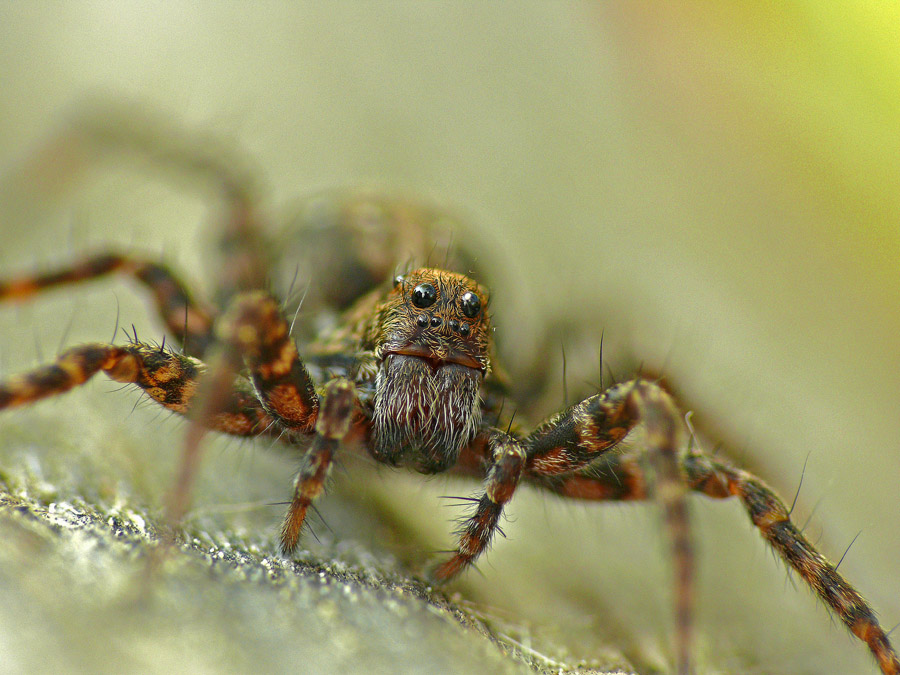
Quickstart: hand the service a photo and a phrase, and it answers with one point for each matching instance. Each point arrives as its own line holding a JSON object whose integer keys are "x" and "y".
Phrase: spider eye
{"x": 471, "y": 304}
{"x": 424, "y": 296}
{"x": 398, "y": 280}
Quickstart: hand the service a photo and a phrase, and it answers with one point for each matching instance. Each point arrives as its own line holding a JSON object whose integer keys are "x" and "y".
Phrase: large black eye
{"x": 471, "y": 304}
{"x": 424, "y": 296}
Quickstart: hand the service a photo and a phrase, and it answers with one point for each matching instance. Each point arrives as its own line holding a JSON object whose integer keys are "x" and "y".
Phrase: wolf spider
{"x": 400, "y": 367}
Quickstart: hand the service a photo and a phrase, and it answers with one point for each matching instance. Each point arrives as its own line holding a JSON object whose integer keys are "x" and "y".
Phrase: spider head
{"x": 437, "y": 316}
{"x": 431, "y": 340}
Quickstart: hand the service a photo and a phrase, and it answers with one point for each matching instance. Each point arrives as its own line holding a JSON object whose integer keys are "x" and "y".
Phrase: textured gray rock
{"x": 76, "y": 594}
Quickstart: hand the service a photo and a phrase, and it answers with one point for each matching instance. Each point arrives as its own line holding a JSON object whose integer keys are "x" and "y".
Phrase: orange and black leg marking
{"x": 255, "y": 329}
{"x": 332, "y": 426}
{"x": 167, "y": 377}
{"x": 506, "y": 466}
{"x": 615, "y": 477}
{"x": 622, "y": 478}
{"x": 188, "y": 320}
{"x": 251, "y": 333}
{"x": 769, "y": 514}
{"x": 576, "y": 437}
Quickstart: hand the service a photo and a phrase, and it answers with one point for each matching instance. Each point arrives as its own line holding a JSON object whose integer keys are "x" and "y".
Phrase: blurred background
{"x": 715, "y": 188}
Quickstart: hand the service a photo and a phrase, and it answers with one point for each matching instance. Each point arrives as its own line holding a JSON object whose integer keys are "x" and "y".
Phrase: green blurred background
{"x": 716, "y": 187}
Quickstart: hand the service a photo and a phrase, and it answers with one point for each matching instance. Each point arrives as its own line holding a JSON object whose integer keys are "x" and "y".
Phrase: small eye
{"x": 424, "y": 296}
{"x": 471, "y": 304}
{"x": 398, "y": 280}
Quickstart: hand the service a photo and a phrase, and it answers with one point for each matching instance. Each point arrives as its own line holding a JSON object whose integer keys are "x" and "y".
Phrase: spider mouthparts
{"x": 435, "y": 360}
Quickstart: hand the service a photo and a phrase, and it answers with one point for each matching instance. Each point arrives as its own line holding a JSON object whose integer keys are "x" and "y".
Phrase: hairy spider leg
{"x": 255, "y": 328}
{"x": 189, "y": 321}
{"x": 167, "y": 377}
{"x": 622, "y": 478}
{"x": 243, "y": 261}
{"x": 717, "y": 479}
{"x": 336, "y": 412}
{"x": 507, "y": 461}
{"x": 570, "y": 441}
{"x": 282, "y": 396}
{"x": 253, "y": 333}
{"x": 244, "y": 256}
{"x": 576, "y": 437}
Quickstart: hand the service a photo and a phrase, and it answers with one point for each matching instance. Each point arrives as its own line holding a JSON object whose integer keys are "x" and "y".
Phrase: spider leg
{"x": 332, "y": 426}
{"x": 506, "y": 464}
{"x": 95, "y": 132}
{"x": 254, "y": 329}
{"x": 151, "y": 137}
{"x": 622, "y": 478}
{"x": 577, "y": 436}
{"x": 283, "y": 396}
{"x": 616, "y": 478}
{"x": 98, "y": 130}
{"x": 717, "y": 479}
{"x": 254, "y": 333}
{"x": 167, "y": 377}
{"x": 244, "y": 258}
{"x": 188, "y": 320}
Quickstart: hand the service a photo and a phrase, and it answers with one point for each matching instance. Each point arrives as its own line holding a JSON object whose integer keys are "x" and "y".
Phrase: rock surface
{"x": 77, "y": 594}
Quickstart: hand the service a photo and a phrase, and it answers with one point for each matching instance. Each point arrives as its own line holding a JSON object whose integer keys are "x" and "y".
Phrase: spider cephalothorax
{"x": 431, "y": 340}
